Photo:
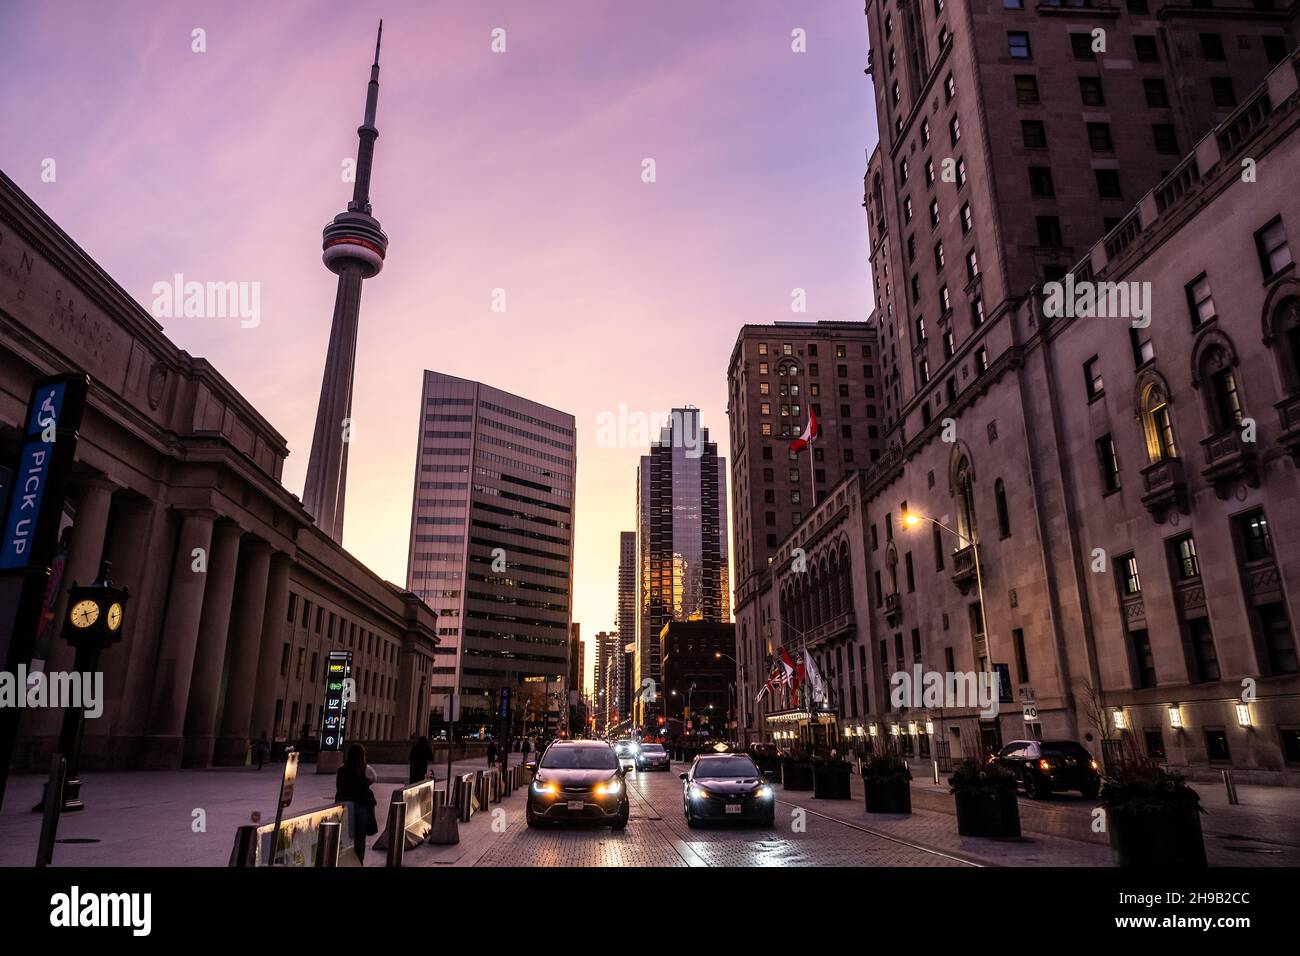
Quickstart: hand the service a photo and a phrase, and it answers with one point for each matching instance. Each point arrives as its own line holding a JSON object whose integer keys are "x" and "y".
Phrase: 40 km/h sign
{"x": 1031, "y": 713}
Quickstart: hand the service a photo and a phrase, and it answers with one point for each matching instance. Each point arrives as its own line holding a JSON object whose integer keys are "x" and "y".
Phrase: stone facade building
{"x": 173, "y": 462}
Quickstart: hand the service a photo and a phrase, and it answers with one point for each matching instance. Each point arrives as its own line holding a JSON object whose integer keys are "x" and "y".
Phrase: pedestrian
{"x": 525, "y": 749}
{"x": 352, "y": 785}
{"x": 419, "y": 757}
{"x": 492, "y": 753}
{"x": 261, "y": 750}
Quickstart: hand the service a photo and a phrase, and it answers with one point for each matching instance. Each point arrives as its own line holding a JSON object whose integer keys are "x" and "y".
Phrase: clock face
{"x": 84, "y": 613}
{"x": 114, "y": 616}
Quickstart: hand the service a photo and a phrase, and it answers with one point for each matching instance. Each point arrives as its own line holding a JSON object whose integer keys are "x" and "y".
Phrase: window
{"x": 982, "y": 359}
{"x": 1144, "y": 662}
{"x": 1081, "y": 46}
{"x": 934, "y": 213}
{"x": 1145, "y": 48}
{"x": 1157, "y": 425}
{"x": 923, "y": 370}
{"x": 1205, "y": 659}
{"x": 902, "y": 170}
{"x": 1004, "y": 515}
{"x": 920, "y": 328}
{"x": 972, "y": 266}
{"x": 1143, "y": 350}
{"x": 1049, "y": 231}
{"x": 1013, "y": 4}
{"x": 1130, "y": 581}
{"x": 1212, "y": 46}
{"x": 961, "y": 171}
{"x": 949, "y": 344}
{"x": 1034, "y": 134}
{"x": 1092, "y": 376}
{"x": 949, "y": 88}
{"x": 1187, "y": 564}
{"x": 954, "y": 130}
{"x": 1279, "y": 646}
{"x": 1099, "y": 140}
{"x": 1225, "y": 98}
{"x": 929, "y": 172}
{"x": 1040, "y": 181}
{"x": 1223, "y": 393}
{"x": 1108, "y": 183}
{"x": 1200, "y": 303}
{"x": 938, "y": 257}
{"x": 1164, "y": 137}
{"x": 1255, "y": 539}
{"x": 1109, "y": 462}
{"x": 1026, "y": 88}
{"x": 911, "y": 249}
{"x": 1022, "y": 658}
{"x": 1018, "y": 44}
{"x": 1155, "y": 744}
{"x": 925, "y": 132}
{"x": 907, "y": 209}
{"x": 1156, "y": 93}
{"x": 1090, "y": 91}
{"x": 1216, "y": 746}
{"x": 966, "y": 221}
{"x": 911, "y": 578}
{"x": 945, "y": 301}
{"x": 976, "y": 312}
{"x": 1274, "y": 253}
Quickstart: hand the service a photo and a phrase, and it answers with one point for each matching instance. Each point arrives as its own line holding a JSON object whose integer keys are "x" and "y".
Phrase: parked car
{"x": 653, "y": 757}
{"x": 726, "y": 787}
{"x": 1045, "y": 766}
{"x": 578, "y": 780}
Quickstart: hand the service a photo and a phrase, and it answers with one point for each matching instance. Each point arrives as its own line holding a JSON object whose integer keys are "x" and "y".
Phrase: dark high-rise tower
{"x": 354, "y": 249}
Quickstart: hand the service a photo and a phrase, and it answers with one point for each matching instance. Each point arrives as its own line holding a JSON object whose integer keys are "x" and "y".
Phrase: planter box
{"x": 1160, "y": 838}
{"x": 769, "y": 766}
{"x": 988, "y": 812}
{"x": 831, "y": 782}
{"x": 797, "y": 776}
{"x": 888, "y": 794}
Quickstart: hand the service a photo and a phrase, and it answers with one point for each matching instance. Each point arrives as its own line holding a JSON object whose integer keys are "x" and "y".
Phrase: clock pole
{"x": 93, "y": 622}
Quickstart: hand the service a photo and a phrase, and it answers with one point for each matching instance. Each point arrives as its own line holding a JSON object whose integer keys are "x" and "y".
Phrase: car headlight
{"x": 549, "y": 789}
{"x": 609, "y": 787}
{"x": 1093, "y": 763}
{"x": 764, "y": 792}
{"x": 699, "y": 793}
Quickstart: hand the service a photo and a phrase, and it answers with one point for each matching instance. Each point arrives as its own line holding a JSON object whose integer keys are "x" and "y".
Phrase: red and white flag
{"x": 809, "y": 433}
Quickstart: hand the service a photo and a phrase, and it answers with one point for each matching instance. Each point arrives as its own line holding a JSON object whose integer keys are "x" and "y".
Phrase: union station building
{"x": 173, "y": 461}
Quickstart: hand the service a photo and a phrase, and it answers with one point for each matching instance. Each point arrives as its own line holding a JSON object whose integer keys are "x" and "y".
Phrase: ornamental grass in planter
{"x": 887, "y": 780}
{"x": 1153, "y": 818}
{"x": 985, "y": 795}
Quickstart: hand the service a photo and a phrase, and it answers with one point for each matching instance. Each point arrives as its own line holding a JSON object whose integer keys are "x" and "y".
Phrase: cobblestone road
{"x": 657, "y": 835}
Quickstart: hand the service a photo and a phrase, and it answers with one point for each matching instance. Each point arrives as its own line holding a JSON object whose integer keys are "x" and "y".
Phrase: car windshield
{"x": 1065, "y": 748}
{"x": 580, "y": 758}
{"x": 652, "y": 749}
{"x": 726, "y": 767}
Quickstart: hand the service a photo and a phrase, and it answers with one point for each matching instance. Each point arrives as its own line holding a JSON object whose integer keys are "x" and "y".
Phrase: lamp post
{"x": 741, "y": 701}
{"x": 911, "y": 519}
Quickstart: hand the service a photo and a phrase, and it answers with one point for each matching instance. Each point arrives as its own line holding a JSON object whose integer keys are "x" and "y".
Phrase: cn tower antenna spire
{"x": 353, "y": 247}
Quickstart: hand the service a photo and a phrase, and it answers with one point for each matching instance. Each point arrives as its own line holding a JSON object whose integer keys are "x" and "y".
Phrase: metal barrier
{"x": 298, "y": 841}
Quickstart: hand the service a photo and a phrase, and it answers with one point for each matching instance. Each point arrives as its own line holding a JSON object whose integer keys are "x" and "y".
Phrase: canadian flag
{"x": 809, "y": 433}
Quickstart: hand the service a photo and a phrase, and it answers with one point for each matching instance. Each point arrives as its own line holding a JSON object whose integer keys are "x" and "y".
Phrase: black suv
{"x": 1044, "y": 766}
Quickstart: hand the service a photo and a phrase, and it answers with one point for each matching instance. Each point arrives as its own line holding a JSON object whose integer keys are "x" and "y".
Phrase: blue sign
{"x": 504, "y": 712}
{"x": 31, "y": 476}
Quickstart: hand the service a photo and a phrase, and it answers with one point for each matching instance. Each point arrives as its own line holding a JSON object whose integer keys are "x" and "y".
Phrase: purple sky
{"x": 519, "y": 171}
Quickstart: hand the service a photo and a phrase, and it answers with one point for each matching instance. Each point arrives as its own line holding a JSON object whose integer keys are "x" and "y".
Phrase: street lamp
{"x": 911, "y": 519}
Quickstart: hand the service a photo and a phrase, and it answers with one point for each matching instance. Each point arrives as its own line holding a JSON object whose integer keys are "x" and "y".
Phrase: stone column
{"x": 135, "y": 545}
{"x": 210, "y": 655}
{"x": 85, "y": 550}
{"x": 246, "y": 638}
{"x": 180, "y": 638}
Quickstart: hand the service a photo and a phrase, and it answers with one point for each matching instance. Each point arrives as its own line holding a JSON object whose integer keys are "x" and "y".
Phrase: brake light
{"x": 1044, "y": 765}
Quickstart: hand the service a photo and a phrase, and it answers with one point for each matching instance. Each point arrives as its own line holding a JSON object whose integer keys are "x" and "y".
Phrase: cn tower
{"x": 354, "y": 247}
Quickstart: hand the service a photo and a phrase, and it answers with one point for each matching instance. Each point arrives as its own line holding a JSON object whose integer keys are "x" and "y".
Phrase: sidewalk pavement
{"x": 1262, "y": 830}
{"x": 186, "y": 817}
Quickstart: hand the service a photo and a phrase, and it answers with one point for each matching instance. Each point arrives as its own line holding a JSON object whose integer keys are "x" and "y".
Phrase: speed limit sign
{"x": 1031, "y": 713}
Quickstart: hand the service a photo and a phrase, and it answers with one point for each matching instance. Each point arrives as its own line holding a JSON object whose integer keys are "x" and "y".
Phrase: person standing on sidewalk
{"x": 352, "y": 785}
{"x": 261, "y": 750}
{"x": 492, "y": 753}
{"x": 419, "y": 757}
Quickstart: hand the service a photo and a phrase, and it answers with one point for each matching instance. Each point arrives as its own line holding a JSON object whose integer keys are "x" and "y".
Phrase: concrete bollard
{"x": 446, "y": 829}
{"x": 327, "y": 844}
{"x": 1230, "y": 785}
{"x": 396, "y": 831}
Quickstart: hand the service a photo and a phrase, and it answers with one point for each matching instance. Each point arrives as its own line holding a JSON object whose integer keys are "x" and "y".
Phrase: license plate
{"x": 575, "y": 804}
{"x": 734, "y": 808}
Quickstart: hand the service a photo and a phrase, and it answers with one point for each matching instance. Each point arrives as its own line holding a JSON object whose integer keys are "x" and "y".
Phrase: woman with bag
{"x": 352, "y": 785}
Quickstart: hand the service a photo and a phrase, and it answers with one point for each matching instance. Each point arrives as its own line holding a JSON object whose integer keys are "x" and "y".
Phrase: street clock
{"x": 95, "y": 612}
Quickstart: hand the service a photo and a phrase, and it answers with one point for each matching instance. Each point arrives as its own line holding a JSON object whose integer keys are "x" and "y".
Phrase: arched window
{"x": 833, "y": 585}
{"x": 1157, "y": 425}
{"x": 1282, "y": 332}
{"x": 965, "y": 494}
{"x": 1004, "y": 516}
{"x": 846, "y": 580}
{"x": 1223, "y": 399}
